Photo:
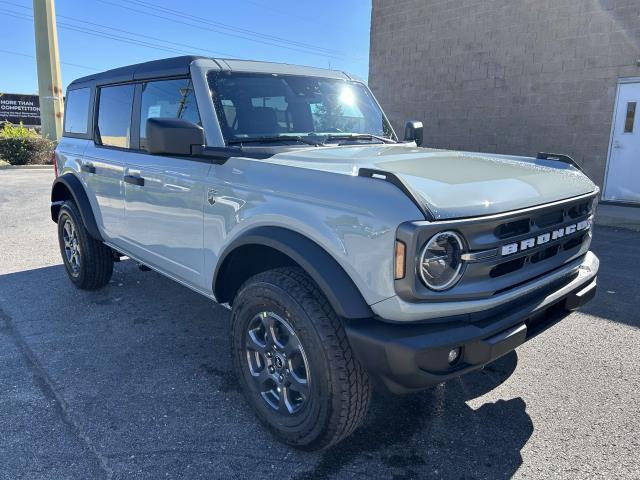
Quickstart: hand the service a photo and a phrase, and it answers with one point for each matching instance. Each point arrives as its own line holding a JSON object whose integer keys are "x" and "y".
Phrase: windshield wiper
{"x": 274, "y": 139}
{"x": 356, "y": 136}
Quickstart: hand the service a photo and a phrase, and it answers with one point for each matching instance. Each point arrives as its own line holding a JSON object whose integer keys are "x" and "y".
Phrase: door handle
{"x": 88, "y": 168}
{"x": 134, "y": 180}
{"x": 616, "y": 144}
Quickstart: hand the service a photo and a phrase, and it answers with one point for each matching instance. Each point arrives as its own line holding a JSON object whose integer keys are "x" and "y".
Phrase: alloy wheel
{"x": 71, "y": 246}
{"x": 277, "y": 363}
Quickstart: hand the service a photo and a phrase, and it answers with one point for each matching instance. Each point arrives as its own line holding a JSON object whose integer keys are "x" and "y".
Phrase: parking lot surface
{"x": 134, "y": 381}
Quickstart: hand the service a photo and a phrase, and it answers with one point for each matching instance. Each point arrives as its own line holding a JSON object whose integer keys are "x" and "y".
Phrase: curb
{"x": 25, "y": 167}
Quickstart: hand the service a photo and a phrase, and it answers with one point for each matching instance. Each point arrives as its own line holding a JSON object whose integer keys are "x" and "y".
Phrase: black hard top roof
{"x": 179, "y": 66}
{"x": 167, "y": 67}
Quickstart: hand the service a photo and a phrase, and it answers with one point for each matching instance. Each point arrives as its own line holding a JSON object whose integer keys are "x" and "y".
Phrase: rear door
{"x": 105, "y": 158}
{"x": 76, "y": 136}
{"x": 164, "y": 196}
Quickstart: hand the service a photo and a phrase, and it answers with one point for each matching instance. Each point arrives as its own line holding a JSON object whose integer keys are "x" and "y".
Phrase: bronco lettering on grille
{"x": 541, "y": 239}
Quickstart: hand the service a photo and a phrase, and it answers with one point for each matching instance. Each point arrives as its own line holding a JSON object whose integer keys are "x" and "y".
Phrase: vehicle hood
{"x": 453, "y": 184}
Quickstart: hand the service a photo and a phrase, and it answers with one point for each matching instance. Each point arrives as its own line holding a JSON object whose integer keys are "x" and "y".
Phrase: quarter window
{"x": 230, "y": 112}
{"x": 114, "y": 116}
{"x": 76, "y": 112}
{"x": 167, "y": 98}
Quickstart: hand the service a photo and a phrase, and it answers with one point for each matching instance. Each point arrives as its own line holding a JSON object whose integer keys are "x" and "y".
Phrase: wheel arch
{"x": 69, "y": 187}
{"x": 263, "y": 248}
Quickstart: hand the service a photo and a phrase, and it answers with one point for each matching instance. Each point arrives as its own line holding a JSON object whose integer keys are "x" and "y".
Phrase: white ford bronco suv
{"x": 348, "y": 257}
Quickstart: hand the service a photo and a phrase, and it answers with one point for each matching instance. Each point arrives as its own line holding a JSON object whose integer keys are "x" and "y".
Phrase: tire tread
{"x": 97, "y": 258}
{"x": 349, "y": 377}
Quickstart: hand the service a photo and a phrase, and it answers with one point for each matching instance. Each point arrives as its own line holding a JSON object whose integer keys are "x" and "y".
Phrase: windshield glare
{"x": 267, "y": 105}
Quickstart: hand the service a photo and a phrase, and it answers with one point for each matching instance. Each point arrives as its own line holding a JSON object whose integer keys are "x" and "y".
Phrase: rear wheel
{"x": 294, "y": 361}
{"x": 89, "y": 262}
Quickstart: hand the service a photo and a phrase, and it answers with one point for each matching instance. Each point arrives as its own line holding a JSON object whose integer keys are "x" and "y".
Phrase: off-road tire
{"x": 340, "y": 388}
{"x": 96, "y": 259}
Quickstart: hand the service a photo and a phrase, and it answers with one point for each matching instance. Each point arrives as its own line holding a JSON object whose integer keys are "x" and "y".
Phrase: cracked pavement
{"x": 134, "y": 381}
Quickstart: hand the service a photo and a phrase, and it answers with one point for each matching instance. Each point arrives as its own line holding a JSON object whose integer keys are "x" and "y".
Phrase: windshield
{"x": 263, "y": 106}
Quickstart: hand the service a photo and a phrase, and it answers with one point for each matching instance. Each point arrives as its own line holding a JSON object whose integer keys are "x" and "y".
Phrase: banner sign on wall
{"x": 16, "y": 108}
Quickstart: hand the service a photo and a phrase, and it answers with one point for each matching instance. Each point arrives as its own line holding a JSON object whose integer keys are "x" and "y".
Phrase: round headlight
{"x": 440, "y": 261}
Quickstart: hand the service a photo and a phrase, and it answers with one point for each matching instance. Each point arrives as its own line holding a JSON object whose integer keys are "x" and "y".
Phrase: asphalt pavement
{"x": 134, "y": 381}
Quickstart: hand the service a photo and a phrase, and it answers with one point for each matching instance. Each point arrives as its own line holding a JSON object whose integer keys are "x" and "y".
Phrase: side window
{"x": 114, "y": 116}
{"x": 167, "y": 98}
{"x": 76, "y": 112}
{"x": 230, "y": 113}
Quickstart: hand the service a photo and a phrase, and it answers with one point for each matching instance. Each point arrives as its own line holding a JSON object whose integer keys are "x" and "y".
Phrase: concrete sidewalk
{"x": 6, "y": 166}
{"x": 609, "y": 215}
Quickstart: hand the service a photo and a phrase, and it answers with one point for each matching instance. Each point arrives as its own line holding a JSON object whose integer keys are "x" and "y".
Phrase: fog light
{"x": 454, "y": 354}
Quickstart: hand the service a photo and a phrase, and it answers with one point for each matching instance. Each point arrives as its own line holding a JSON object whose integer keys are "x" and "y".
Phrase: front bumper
{"x": 409, "y": 357}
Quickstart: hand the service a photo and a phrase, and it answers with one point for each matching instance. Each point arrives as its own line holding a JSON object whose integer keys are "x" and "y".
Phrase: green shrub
{"x": 21, "y": 146}
{"x": 10, "y": 130}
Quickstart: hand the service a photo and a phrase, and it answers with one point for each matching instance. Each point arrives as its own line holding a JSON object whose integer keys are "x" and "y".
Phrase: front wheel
{"x": 89, "y": 262}
{"x": 294, "y": 361}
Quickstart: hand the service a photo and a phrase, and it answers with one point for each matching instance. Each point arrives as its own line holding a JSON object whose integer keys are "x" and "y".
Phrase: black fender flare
{"x": 74, "y": 186}
{"x": 340, "y": 290}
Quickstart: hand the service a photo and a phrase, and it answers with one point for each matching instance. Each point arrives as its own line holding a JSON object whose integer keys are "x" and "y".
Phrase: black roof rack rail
{"x": 400, "y": 184}
{"x": 558, "y": 157}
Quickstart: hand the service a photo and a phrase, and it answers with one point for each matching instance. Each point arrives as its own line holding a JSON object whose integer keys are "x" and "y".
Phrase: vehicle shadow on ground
{"x": 435, "y": 433}
{"x": 145, "y": 348}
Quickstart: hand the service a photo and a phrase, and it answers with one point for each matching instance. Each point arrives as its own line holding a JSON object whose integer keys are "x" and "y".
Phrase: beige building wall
{"x": 506, "y": 76}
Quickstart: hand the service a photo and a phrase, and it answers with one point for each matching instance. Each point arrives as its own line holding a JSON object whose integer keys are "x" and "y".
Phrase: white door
{"x": 164, "y": 219}
{"x": 623, "y": 172}
{"x": 105, "y": 159}
{"x": 165, "y": 196}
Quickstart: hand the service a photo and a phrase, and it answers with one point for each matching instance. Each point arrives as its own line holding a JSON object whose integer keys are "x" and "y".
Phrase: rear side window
{"x": 167, "y": 98}
{"x": 114, "y": 116}
{"x": 76, "y": 112}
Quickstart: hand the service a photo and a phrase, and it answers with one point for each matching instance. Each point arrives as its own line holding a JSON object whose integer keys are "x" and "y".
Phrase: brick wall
{"x": 506, "y": 76}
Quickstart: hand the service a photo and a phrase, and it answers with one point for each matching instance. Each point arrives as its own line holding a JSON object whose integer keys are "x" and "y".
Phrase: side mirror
{"x": 173, "y": 136}
{"x": 413, "y": 132}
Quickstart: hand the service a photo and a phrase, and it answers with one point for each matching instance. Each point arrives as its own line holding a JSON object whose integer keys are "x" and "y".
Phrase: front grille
{"x": 574, "y": 242}
{"x": 545, "y": 254}
{"x": 524, "y": 226}
{"x": 537, "y": 223}
{"x": 507, "y": 267}
{"x": 488, "y": 271}
{"x": 513, "y": 265}
{"x": 549, "y": 219}
{"x": 512, "y": 229}
{"x": 579, "y": 210}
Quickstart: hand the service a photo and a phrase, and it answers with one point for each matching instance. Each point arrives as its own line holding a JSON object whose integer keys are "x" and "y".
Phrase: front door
{"x": 623, "y": 171}
{"x": 165, "y": 196}
{"x": 164, "y": 203}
